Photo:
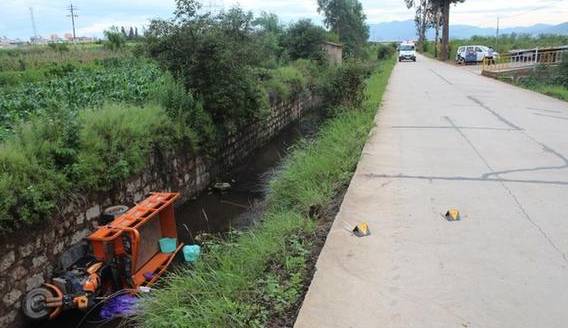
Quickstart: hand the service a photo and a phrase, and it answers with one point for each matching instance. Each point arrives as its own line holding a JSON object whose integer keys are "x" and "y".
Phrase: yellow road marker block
{"x": 453, "y": 215}
{"x": 361, "y": 230}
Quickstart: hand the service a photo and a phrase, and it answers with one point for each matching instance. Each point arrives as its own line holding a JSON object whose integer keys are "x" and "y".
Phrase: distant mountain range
{"x": 406, "y": 30}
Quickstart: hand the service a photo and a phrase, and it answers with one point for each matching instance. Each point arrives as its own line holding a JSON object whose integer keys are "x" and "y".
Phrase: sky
{"x": 97, "y": 15}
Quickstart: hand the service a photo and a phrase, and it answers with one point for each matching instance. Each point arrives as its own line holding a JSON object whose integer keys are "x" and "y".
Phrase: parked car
{"x": 475, "y": 53}
{"x": 407, "y": 51}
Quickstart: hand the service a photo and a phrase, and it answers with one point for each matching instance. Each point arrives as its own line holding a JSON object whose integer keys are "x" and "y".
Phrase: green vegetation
{"x": 347, "y": 20}
{"x": 31, "y": 58}
{"x": 207, "y": 75}
{"x": 47, "y": 160}
{"x": 549, "y": 80}
{"x": 257, "y": 275}
{"x": 73, "y": 88}
{"x": 555, "y": 91}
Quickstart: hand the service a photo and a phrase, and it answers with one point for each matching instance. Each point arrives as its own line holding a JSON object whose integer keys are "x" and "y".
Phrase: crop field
{"x": 125, "y": 80}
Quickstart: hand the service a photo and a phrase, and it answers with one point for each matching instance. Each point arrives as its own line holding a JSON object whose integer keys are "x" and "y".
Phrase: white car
{"x": 407, "y": 51}
{"x": 467, "y": 54}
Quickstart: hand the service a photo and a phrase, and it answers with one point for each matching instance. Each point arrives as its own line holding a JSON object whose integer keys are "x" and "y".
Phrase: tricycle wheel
{"x": 35, "y": 306}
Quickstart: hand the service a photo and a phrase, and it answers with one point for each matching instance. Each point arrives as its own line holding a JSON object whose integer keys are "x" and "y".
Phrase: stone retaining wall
{"x": 27, "y": 258}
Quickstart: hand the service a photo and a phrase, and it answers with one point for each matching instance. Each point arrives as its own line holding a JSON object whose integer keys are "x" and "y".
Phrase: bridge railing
{"x": 524, "y": 59}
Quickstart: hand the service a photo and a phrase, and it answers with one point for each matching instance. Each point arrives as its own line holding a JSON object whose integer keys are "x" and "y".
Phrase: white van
{"x": 407, "y": 51}
{"x": 478, "y": 54}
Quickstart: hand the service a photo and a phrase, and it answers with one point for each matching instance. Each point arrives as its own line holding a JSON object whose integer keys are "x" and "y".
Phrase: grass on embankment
{"x": 259, "y": 274}
{"x": 556, "y": 91}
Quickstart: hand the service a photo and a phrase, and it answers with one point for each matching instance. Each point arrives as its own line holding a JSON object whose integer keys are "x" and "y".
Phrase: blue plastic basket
{"x": 191, "y": 253}
{"x": 168, "y": 245}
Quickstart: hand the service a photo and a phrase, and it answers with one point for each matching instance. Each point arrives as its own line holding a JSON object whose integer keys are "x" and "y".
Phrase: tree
{"x": 131, "y": 34}
{"x": 123, "y": 31}
{"x": 269, "y": 22}
{"x": 421, "y": 18}
{"x": 215, "y": 56}
{"x": 115, "y": 39}
{"x": 347, "y": 19}
{"x": 303, "y": 40}
{"x": 434, "y": 13}
{"x": 444, "y": 6}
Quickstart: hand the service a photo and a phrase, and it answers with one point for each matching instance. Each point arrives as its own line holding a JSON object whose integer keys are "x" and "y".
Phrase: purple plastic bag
{"x": 119, "y": 306}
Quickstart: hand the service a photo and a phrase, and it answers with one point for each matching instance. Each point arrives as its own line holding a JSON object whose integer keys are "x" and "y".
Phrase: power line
{"x": 73, "y": 14}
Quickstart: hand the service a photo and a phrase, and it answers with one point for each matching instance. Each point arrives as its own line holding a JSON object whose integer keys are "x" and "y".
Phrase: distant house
{"x": 334, "y": 52}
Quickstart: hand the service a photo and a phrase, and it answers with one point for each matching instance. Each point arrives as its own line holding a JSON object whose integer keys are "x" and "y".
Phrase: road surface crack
{"x": 497, "y": 115}
{"x": 510, "y": 192}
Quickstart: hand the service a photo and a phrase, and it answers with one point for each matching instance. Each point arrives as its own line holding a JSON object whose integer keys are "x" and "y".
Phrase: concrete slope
{"x": 449, "y": 138}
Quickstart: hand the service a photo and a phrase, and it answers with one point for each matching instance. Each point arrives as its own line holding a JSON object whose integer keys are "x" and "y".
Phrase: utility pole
{"x": 497, "y": 36}
{"x": 73, "y": 15}
{"x": 33, "y": 24}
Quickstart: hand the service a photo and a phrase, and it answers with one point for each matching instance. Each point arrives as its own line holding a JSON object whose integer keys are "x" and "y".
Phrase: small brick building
{"x": 334, "y": 52}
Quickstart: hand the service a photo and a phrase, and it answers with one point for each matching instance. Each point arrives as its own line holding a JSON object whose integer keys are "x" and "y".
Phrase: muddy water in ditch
{"x": 216, "y": 212}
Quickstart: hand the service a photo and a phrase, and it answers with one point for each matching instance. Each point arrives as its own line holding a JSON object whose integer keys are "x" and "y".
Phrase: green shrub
{"x": 216, "y": 58}
{"x": 34, "y": 164}
{"x": 285, "y": 82}
{"x": 304, "y": 39}
{"x": 115, "y": 143}
{"x": 49, "y": 158}
{"x": 343, "y": 86}
{"x": 561, "y": 77}
{"x": 193, "y": 123}
{"x": 384, "y": 52}
{"x": 115, "y": 39}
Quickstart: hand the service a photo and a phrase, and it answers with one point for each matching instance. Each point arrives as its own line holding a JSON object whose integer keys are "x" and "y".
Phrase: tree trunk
{"x": 444, "y": 53}
{"x": 437, "y": 38}
{"x": 422, "y": 36}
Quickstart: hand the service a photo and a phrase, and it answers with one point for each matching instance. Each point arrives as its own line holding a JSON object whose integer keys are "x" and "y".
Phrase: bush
{"x": 344, "y": 85}
{"x": 285, "y": 82}
{"x": 216, "y": 58}
{"x": 193, "y": 124}
{"x": 562, "y": 72}
{"x": 47, "y": 159}
{"x": 34, "y": 164}
{"x": 115, "y": 39}
{"x": 385, "y": 51}
{"x": 304, "y": 40}
{"x": 115, "y": 143}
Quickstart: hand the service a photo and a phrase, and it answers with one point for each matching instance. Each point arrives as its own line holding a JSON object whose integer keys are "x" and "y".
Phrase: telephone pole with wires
{"x": 36, "y": 36}
{"x": 497, "y": 36}
{"x": 73, "y": 14}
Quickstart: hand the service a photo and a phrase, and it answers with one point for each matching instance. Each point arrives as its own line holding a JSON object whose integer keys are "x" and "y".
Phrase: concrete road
{"x": 449, "y": 138}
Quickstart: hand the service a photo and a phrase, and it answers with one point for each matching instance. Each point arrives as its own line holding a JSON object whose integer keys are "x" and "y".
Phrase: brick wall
{"x": 27, "y": 257}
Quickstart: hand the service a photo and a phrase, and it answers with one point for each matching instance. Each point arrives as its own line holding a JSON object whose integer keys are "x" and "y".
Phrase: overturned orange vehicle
{"x": 122, "y": 256}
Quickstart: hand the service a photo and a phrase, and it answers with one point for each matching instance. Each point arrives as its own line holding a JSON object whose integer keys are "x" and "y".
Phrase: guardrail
{"x": 523, "y": 60}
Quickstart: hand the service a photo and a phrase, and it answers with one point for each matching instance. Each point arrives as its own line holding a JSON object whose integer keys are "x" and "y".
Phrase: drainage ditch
{"x": 217, "y": 212}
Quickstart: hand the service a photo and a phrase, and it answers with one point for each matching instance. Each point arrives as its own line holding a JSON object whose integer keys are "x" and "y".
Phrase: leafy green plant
{"x": 285, "y": 82}
{"x": 115, "y": 143}
{"x": 343, "y": 86}
{"x": 46, "y": 160}
{"x": 129, "y": 81}
{"x": 115, "y": 39}
{"x": 304, "y": 39}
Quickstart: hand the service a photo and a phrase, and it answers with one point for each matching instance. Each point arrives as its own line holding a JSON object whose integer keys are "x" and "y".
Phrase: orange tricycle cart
{"x": 120, "y": 257}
